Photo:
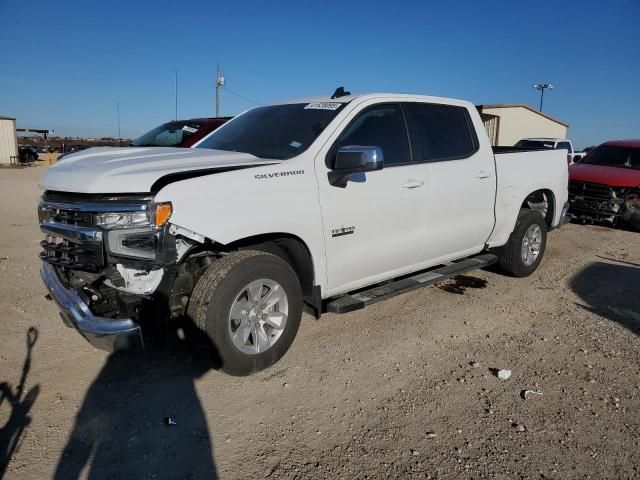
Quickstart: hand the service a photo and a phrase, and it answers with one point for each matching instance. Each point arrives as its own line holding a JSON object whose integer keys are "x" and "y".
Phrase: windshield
{"x": 535, "y": 144}
{"x": 278, "y": 131}
{"x": 614, "y": 156}
{"x": 171, "y": 134}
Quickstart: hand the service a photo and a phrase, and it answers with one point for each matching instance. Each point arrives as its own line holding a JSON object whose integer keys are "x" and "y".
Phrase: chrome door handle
{"x": 483, "y": 174}
{"x": 412, "y": 183}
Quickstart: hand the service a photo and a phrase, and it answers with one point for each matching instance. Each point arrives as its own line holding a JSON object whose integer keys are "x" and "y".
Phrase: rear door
{"x": 461, "y": 175}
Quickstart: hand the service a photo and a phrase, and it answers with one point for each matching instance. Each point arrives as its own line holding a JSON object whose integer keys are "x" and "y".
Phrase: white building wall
{"x": 516, "y": 123}
{"x": 8, "y": 140}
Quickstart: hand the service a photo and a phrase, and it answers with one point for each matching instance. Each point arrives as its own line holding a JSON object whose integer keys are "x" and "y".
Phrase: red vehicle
{"x": 180, "y": 133}
{"x": 605, "y": 185}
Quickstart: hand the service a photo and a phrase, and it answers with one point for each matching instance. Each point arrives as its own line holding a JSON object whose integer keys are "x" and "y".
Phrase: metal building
{"x": 8, "y": 139}
{"x": 508, "y": 123}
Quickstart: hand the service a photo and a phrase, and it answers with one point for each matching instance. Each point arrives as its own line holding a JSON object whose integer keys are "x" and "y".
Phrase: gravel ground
{"x": 404, "y": 388}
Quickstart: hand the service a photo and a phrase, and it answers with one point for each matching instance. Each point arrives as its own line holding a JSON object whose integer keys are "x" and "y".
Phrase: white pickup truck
{"x": 321, "y": 204}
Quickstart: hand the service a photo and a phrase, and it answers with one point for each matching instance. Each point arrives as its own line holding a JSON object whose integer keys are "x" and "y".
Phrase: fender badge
{"x": 339, "y": 232}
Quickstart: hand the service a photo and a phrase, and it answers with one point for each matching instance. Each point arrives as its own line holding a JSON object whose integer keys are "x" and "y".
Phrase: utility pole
{"x": 119, "y": 137}
{"x": 542, "y": 87}
{"x": 219, "y": 83}
{"x": 176, "y": 84}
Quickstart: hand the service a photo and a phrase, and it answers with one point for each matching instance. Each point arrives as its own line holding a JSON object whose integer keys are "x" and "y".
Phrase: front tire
{"x": 248, "y": 305}
{"x": 523, "y": 252}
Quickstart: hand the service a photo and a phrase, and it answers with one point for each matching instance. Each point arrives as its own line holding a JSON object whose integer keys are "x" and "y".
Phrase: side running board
{"x": 356, "y": 301}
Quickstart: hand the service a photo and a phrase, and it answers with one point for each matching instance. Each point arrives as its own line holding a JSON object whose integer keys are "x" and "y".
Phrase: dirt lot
{"x": 404, "y": 388}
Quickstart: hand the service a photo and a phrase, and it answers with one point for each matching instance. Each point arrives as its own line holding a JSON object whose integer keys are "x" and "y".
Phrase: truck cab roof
{"x": 373, "y": 96}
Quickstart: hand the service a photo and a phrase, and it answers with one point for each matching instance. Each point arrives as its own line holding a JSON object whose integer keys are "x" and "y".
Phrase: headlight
{"x": 135, "y": 242}
{"x": 633, "y": 200}
{"x": 156, "y": 216}
{"x": 135, "y": 234}
{"x": 123, "y": 220}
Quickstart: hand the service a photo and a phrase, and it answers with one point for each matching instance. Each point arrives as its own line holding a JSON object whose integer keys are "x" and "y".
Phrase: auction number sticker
{"x": 323, "y": 106}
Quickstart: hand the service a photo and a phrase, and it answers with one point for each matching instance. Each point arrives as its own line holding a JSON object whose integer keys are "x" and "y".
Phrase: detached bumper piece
{"x": 564, "y": 215}
{"x": 103, "y": 333}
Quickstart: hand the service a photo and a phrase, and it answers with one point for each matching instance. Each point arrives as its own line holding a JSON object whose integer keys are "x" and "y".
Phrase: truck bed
{"x": 505, "y": 149}
{"x": 520, "y": 172}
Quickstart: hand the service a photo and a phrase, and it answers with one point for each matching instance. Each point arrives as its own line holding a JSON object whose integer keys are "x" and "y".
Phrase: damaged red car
{"x": 604, "y": 186}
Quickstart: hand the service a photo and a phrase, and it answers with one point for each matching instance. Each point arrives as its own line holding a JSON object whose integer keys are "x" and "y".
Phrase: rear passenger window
{"x": 564, "y": 146}
{"x": 440, "y": 132}
{"x": 380, "y": 126}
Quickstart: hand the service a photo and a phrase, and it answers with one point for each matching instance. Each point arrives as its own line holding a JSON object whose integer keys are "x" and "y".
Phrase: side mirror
{"x": 354, "y": 159}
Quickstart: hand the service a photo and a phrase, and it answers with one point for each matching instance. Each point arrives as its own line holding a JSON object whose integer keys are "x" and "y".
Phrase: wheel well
{"x": 542, "y": 200}
{"x": 288, "y": 247}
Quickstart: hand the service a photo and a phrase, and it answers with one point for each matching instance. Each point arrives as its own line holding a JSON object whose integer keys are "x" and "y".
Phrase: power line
{"x": 241, "y": 96}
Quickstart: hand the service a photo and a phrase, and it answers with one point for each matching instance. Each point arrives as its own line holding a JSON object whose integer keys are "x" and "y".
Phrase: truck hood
{"x": 136, "y": 169}
{"x": 604, "y": 175}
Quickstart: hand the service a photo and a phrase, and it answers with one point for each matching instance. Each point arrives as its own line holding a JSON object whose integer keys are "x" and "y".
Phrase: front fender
{"x": 231, "y": 206}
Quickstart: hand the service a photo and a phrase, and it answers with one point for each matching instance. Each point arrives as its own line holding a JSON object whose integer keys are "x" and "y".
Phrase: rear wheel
{"x": 523, "y": 252}
{"x": 248, "y": 305}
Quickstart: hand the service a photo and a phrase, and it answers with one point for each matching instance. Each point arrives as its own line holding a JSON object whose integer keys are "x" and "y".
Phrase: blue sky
{"x": 64, "y": 65}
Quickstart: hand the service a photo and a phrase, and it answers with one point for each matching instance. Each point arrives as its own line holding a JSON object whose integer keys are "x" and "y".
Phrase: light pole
{"x": 119, "y": 137}
{"x": 542, "y": 87}
{"x": 219, "y": 83}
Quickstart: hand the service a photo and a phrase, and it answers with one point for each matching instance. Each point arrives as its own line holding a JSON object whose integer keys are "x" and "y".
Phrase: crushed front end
{"x": 105, "y": 261}
{"x": 593, "y": 202}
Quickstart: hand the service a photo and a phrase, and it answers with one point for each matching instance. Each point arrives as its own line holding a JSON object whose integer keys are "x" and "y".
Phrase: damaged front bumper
{"x": 602, "y": 203}
{"x": 101, "y": 332}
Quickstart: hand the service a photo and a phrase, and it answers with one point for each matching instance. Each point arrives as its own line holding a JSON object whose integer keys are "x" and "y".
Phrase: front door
{"x": 374, "y": 227}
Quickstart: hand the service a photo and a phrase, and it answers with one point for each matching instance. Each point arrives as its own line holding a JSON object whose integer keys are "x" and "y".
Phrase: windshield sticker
{"x": 189, "y": 129}
{"x": 295, "y": 144}
{"x": 323, "y": 106}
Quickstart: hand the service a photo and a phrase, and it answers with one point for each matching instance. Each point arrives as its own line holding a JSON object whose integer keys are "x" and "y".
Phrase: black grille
{"x": 590, "y": 191}
{"x": 70, "y": 217}
{"x": 63, "y": 253}
{"x": 592, "y": 200}
{"x": 72, "y": 239}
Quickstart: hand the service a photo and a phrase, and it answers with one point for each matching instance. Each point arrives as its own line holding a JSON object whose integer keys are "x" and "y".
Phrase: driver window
{"x": 380, "y": 126}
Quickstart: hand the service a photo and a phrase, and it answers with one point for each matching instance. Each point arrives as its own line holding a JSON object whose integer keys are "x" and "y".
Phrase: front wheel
{"x": 248, "y": 305}
{"x": 523, "y": 252}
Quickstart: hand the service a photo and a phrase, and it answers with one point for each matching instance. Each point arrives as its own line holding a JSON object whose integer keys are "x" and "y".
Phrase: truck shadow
{"x": 142, "y": 418}
{"x": 20, "y": 405}
{"x": 611, "y": 291}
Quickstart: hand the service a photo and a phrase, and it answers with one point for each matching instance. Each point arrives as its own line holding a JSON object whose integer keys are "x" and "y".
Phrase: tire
{"x": 219, "y": 331}
{"x": 634, "y": 222}
{"x": 512, "y": 257}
